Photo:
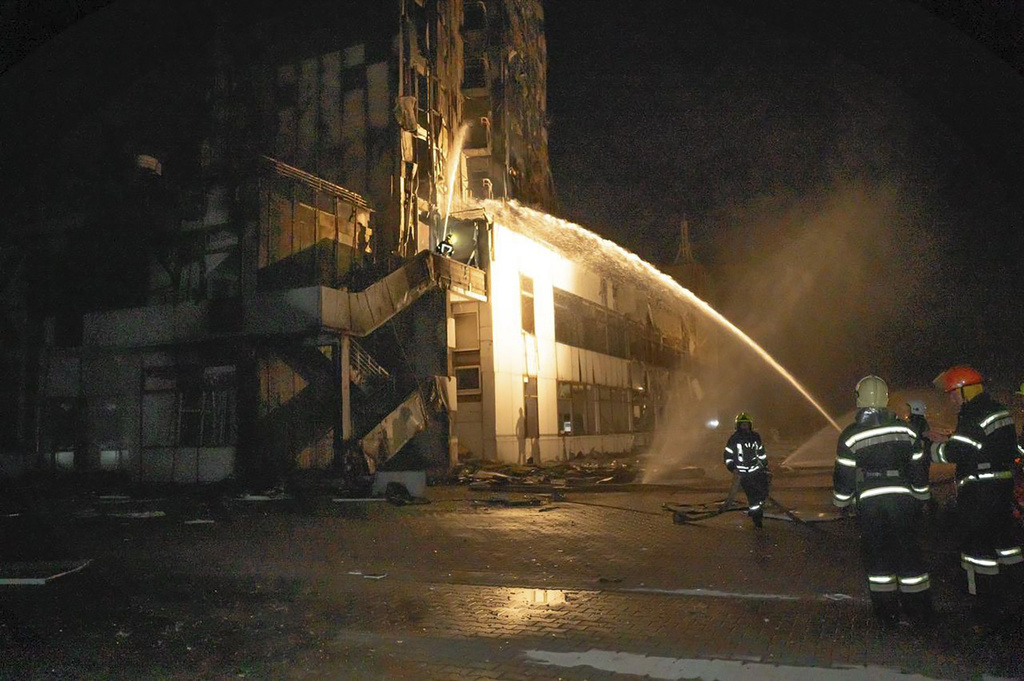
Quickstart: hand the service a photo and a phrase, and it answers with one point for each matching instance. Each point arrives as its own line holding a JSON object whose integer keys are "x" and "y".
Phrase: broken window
{"x": 614, "y": 409}
{"x": 474, "y": 73}
{"x": 617, "y": 336}
{"x": 595, "y": 330}
{"x": 526, "y": 303}
{"x": 189, "y": 407}
{"x": 530, "y": 406}
{"x": 475, "y": 18}
{"x": 568, "y": 329}
{"x": 642, "y": 421}
{"x": 576, "y": 413}
{"x": 206, "y": 407}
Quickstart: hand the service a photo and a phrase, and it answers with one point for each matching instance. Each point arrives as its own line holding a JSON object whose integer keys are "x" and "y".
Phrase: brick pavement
{"x": 471, "y": 590}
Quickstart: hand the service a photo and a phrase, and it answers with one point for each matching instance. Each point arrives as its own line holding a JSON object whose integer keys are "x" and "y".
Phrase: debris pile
{"x": 582, "y": 471}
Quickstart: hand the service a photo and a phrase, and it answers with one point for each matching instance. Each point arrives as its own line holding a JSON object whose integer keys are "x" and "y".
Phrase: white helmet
{"x": 872, "y": 392}
{"x": 916, "y": 407}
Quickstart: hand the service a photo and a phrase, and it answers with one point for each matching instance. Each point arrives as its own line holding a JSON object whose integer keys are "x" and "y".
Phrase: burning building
{"x": 257, "y": 291}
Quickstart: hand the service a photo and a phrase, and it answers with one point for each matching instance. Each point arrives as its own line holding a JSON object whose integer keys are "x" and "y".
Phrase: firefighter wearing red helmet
{"x": 880, "y": 467}
{"x": 983, "y": 447}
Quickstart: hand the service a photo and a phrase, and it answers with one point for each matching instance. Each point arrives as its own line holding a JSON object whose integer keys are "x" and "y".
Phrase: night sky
{"x": 850, "y": 170}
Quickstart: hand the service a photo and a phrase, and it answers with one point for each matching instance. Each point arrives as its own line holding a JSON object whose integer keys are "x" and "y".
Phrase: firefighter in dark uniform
{"x": 880, "y": 467}
{"x": 919, "y": 423}
{"x": 744, "y": 454}
{"x": 983, "y": 447}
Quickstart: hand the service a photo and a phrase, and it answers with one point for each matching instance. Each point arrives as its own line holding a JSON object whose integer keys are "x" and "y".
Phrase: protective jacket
{"x": 880, "y": 465}
{"x": 745, "y": 455}
{"x": 878, "y": 454}
{"x": 984, "y": 444}
{"x": 983, "y": 448}
{"x": 744, "y": 452}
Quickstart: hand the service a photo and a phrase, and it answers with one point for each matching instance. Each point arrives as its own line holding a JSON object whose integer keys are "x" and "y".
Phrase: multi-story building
{"x": 259, "y": 291}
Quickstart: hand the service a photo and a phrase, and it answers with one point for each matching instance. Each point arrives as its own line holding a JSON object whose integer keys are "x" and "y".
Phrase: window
{"x": 468, "y": 380}
{"x": 568, "y": 326}
{"x": 617, "y": 336}
{"x": 576, "y": 414}
{"x": 595, "y": 330}
{"x": 583, "y": 324}
{"x": 614, "y": 409}
{"x": 526, "y": 303}
{"x": 206, "y": 407}
{"x": 476, "y": 16}
{"x": 530, "y": 406}
{"x": 474, "y": 74}
{"x": 189, "y": 406}
{"x": 643, "y": 420}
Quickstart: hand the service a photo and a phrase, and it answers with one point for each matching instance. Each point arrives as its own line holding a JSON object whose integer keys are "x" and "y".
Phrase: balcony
{"x": 309, "y": 309}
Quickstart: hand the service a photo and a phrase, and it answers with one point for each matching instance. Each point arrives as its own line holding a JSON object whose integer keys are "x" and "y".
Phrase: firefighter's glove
{"x": 732, "y": 468}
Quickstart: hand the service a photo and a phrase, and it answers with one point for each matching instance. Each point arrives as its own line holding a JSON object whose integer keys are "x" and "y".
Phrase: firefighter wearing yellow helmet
{"x": 744, "y": 454}
{"x": 983, "y": 447}
{"x": 880, "y": 467}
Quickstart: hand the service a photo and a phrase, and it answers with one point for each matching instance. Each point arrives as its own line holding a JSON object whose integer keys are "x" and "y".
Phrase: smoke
{"x": 836, "y": 286}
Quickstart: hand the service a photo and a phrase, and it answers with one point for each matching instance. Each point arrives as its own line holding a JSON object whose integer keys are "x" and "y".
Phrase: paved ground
{"x": 599, "y": 586}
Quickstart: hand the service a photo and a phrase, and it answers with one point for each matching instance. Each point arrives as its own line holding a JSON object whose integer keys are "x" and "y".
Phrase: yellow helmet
{"x": 1021, "y": 391}
{"x": 744, "y": 417}
{"x": 872, "y": 392}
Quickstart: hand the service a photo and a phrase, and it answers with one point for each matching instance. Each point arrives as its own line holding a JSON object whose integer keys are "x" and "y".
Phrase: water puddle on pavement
{"x": 523, "y": 604}
{"x": 538, "y": 596}
{"x": 720, "y": 670}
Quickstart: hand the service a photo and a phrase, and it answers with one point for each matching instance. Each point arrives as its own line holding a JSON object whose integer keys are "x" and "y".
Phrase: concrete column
{"x": 346, "y": 388}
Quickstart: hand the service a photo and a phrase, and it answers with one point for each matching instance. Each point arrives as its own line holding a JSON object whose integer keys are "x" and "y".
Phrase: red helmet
{"x": 957, "y": 377}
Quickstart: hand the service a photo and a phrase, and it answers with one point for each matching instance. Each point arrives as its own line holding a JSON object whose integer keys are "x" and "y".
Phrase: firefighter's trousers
{"x": 755, "y": 486}
{"x": 989, "y": 538}
{"x": 889, "y": 544}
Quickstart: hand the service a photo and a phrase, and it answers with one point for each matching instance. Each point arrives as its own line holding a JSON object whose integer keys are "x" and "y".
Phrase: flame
{"x": 601, "y": 254}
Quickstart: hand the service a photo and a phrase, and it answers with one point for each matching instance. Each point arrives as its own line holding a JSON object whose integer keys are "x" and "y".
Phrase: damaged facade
{"x": 259, "y": 292}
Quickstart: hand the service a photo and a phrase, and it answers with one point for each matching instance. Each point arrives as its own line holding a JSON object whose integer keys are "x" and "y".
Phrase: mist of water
{"x": 601, "y": 254}
{"x": 819, "y": 450}
{"x": 452, "y": 171}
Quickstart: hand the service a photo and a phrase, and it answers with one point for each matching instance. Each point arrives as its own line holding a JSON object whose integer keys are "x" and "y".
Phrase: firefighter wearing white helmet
{"x": 918, "y": 421}
{"x": 744, "y": 454}
{"x": 880, "y": 467}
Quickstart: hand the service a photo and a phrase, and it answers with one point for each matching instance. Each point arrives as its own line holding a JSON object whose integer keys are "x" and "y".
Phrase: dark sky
{"x": 851, "y": 170}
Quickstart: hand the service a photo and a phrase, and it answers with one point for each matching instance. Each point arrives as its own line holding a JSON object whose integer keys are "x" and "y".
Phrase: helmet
{"x": 1021, "y": 391}
{"x": 957, "y": 377}
{"x": 916, "y": 407}
{"x": 744, "y": 417}
{"x": 872, "y": 392}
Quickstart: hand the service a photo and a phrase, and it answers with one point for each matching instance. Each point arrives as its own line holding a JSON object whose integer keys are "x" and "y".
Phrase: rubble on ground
{"x": 584, "y": 470}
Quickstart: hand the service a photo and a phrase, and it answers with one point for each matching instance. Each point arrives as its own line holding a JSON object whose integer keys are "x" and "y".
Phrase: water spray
{"x": 590, "y": 247}
{"x": 453, "y": 170}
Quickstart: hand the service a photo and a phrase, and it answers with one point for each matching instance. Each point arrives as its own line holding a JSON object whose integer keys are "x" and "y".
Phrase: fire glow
{"x": 602, "y": 254}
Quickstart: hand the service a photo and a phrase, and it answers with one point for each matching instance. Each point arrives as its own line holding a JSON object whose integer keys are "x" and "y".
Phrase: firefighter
{"x": 983, "y": 447}
{"x": 919, "y": 423}
{"x": 880, "y": 467}
{"x": 445, "y": 247}
{"x": 744, "y": 454}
